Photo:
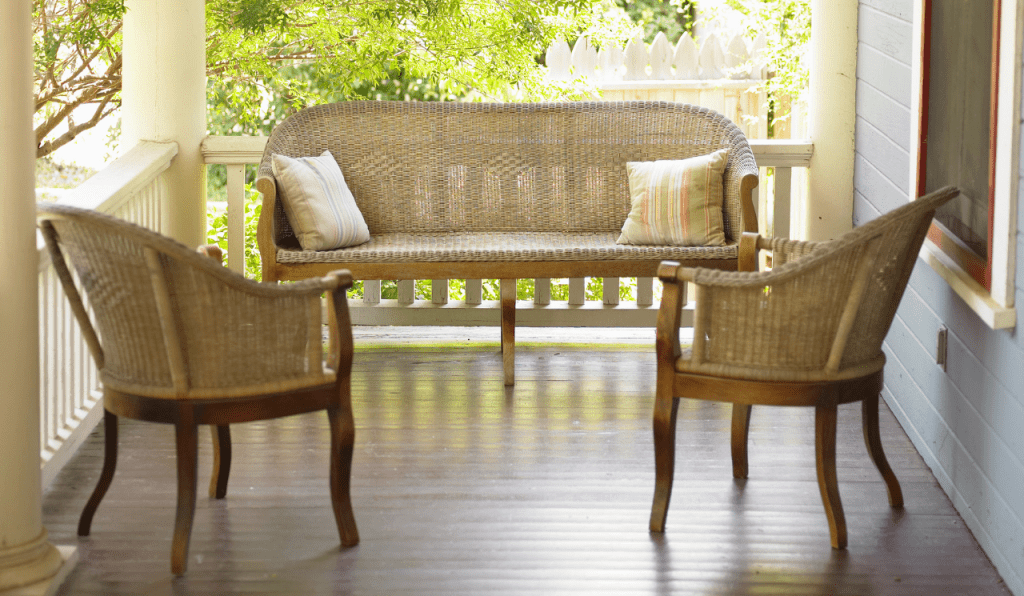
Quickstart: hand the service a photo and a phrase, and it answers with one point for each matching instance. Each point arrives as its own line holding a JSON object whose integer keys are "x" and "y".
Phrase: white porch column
{"x": 164, "y": 99}
{"x": 833, "y": 114}
{"x": 26, "y": 556}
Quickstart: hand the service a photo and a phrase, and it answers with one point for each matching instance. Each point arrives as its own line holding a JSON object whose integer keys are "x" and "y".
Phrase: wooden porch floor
{"x": 463, "y": 487}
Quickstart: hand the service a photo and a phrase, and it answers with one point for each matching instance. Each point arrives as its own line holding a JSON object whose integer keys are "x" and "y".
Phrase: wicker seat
{"x": 179, "y": 339}
{"x": 807, "y": 333}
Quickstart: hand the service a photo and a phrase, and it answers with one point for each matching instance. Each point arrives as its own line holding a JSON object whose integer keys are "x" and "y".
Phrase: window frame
{"x": 992, "y": 301}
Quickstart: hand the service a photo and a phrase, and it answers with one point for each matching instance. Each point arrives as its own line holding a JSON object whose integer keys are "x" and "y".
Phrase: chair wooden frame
{"x": 185, "y": 407}
{"x": 862, "y": 275}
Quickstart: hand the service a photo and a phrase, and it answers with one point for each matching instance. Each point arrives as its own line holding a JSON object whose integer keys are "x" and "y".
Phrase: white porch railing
{"x": 782, "y": 156}
{"x": 69, "y": 388}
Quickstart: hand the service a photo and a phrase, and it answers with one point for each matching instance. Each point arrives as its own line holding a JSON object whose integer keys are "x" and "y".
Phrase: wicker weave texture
{"x": 234, "y": 336}
{"x": 431, "y": 168}
{"x": 783, "y": 325}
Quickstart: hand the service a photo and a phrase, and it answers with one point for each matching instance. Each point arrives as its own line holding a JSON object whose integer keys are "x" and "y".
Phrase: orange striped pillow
{"x": 676, "y": 202}
{"x": 318, "y": 203}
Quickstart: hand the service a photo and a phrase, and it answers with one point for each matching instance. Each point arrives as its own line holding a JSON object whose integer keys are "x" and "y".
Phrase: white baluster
{"x": 610, "y": 60}
{"x": 780, "y": 209}
{"x": 644, "y": 291}
{"x": 474, "y": 291}
{"x": 406, "y": 292}
{"x": 371, "y": 291}
{"x": 661, "y": 58}
{"x": 542, "y": 291}
{"x": 577, "y": 291}
{"x": 439, "y": 291}
{"x": 611, "y": 289}
{"x": 712, "y": 59}
{"x": 736, "y": 58}
{"x": 637, "y": 60}
{"x": 559, "y": 59}
{"x": 236, "y": 217}
{"x": 584, "y": 59}
{"x": 686, "y": 59}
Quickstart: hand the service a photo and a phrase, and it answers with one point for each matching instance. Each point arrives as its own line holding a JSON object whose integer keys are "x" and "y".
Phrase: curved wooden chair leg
{"x": 665, "y": 410}
{"x": 740, "y": 430}
{"x": 342, "y": 441}
{"x": 106, "y": 476}
{"x": 221, "y": 461}
{"x": 825, "y": 418}
{"x": 873, "y": 440}
{"x": 187, "y": 440}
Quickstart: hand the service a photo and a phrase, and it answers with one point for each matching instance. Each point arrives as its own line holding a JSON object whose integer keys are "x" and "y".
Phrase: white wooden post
{"x": 833, "y": 113}
{"x": 164, "y": 99}
{"x": 26, "y": 556}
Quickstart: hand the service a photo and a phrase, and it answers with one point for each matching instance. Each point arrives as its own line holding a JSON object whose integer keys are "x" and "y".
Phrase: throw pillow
{"x": 676, "y": 202}
{"x": 320, "y": 207}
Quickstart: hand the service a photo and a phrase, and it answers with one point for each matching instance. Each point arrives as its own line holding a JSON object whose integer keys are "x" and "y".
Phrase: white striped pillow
{"x": 676, "y": 202}
{"x": 320, "y": 207}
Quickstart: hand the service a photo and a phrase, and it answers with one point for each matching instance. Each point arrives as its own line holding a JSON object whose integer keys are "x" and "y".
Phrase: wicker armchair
{"x": 807, "y": 333}
{"x": 179, "y": 339}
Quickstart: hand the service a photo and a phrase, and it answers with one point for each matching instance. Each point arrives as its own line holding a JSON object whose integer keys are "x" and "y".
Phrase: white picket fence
{"x": 724, "y": 76}
{"x": 713, "y": 60}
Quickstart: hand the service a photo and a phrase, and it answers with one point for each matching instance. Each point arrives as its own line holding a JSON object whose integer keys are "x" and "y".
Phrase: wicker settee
{"x": 498, "y": 191}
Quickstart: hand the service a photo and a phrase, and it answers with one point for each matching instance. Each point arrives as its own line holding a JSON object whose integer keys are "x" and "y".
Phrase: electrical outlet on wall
{"x": 941, "y": 347}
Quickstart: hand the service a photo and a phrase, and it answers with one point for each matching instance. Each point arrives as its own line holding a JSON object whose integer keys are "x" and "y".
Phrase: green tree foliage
{"x": 671, "y": 17}
{"x": 303, "y": 51}
{"x": 787, "y": 28}
{"x": 77, "y": 55}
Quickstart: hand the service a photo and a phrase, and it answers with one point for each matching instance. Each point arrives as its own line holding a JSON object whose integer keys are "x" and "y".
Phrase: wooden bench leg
{"x": 740, "y": 431}
{"x": 508, "y": 329}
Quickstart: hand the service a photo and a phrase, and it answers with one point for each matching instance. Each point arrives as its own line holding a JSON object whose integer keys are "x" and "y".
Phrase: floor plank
{"x": 463, "y": 486}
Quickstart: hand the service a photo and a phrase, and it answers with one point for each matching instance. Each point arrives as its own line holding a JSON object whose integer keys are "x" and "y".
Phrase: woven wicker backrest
{"x": 226, "y": 330}
{"x": 426, "y": 167}
{"x": 902, "y": 233}
{"x": 786, "y": 321}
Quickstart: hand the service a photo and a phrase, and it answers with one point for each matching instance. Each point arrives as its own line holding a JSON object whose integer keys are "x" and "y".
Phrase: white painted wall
{"x": 965, "y": 421}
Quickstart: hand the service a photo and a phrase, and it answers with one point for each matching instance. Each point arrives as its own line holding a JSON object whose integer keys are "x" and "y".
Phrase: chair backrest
{"x": 423, "y": 167}
{"x": 170, "y": 322}
{"x": 821, "y": 315}
{"x": 901, "y": 233}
